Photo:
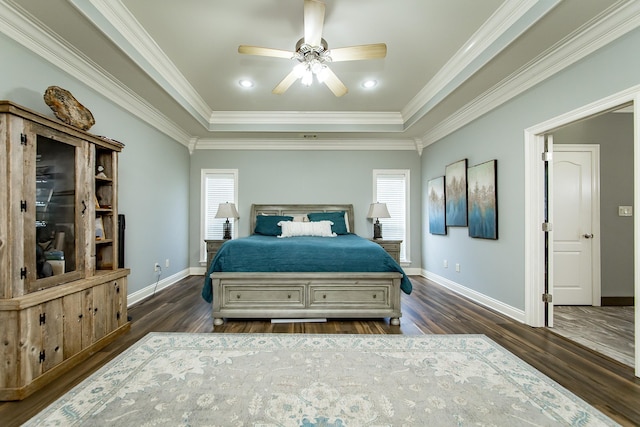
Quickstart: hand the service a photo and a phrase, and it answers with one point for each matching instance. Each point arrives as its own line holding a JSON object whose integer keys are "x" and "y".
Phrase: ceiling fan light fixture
{"x": 300, "y": 69}
{"x": 307, "y": 78}
{"x": 322, "y": 74}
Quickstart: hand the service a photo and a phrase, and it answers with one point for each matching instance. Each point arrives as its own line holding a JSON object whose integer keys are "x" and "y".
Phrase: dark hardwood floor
{"x": 605, "y": 383}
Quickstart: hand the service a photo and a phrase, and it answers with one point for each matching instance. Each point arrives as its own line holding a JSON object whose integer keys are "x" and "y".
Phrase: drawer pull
{"x": 375, "y": 296}
{"x": 237, "y": 296}
{"x": 324, "y": 296}
{"x": 289, "y": 296}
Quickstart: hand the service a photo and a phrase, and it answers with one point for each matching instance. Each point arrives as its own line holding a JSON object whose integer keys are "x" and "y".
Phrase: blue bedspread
{"x": 345, "y": 253}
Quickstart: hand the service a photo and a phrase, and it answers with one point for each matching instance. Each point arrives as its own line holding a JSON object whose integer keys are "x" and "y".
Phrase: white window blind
{"x": 391, "y": 187}
{"x": 218, "y": 186}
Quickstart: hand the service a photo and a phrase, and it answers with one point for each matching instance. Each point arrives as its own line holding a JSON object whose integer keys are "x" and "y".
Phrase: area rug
{"x": 176, "y": 379}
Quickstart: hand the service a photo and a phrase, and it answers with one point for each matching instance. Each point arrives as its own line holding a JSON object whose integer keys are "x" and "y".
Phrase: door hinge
{"x": 42, "y": 356}
{"x": 23, "y": 138}
{"x": 547, "y": 227}
{"x": 43, "y": 318}
{"x": 23, "y": 273}
{"x": 23, "y": 205}
{"x": 547, "y": 156}
{"x": 547, "y": 298}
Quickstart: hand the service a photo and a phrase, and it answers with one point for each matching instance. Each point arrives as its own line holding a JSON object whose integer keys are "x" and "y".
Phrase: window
{"x": 391, "y": 186}
{"x": 218, "y": 186}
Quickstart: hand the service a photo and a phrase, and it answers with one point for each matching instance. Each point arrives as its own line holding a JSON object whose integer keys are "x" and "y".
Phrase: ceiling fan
{"x": 313, "y": 54}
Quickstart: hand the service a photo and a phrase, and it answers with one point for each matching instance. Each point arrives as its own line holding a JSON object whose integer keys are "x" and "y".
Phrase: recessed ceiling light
{"x": 246, "y": 83}
{"x": 368, "y": 84}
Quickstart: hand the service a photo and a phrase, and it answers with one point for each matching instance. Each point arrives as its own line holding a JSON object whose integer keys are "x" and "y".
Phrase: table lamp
{"x": 378, "y": 210}
{"x": 227, "y": 210}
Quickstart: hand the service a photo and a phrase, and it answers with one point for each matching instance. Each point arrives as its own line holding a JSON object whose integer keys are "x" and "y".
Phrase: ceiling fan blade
{"x": 265, "y": 51}
{"x": 333, "y": 82}
{"x": 285, "y": 83}
{"x": 313, "y": 22}
{"x": 354, "y": 53}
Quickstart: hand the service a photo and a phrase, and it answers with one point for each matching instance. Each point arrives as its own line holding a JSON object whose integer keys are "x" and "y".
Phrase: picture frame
{"x": 436, "y": 206}
{"x": 483, "y": 200}
{"x": 455, "y": 177}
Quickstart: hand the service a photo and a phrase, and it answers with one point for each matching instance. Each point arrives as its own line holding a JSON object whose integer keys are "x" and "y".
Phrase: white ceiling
{"x": 179, "y": 60}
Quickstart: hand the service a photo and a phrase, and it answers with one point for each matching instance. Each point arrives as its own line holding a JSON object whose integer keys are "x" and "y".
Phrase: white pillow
{"x": 314, "y": 228}
{"x": 300, "y": 218}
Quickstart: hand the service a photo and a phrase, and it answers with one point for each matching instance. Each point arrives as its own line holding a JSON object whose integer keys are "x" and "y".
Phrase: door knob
{"x": 588, "y": 235}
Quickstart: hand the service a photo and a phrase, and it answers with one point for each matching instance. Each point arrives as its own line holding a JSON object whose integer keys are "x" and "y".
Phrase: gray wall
{"x": 306, "y": 177}
{"x": 496, "y": 268}
{"x": 614, "y": 133}
{"x": 154, "y": 169}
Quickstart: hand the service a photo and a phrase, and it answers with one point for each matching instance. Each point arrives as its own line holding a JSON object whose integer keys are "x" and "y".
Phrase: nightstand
{"x": 212, "y": 249}
{"x": 391, "y": 246}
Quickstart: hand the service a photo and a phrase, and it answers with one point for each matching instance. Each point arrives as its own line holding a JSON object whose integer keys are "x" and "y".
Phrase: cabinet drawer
{"x": 260, "y": 296}
{"x": 338, "y": 296}
{"x": 390, "y": 247}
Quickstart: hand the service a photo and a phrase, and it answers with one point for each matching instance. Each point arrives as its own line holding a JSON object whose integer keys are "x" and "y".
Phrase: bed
{"x": 303, "y": 277}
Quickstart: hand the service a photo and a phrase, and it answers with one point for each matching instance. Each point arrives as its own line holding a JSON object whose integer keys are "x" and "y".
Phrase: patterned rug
{"x": 175, "y": 379}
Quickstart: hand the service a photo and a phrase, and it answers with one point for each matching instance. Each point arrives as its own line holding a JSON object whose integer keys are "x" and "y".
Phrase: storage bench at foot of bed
{"x": 306, "y": 295}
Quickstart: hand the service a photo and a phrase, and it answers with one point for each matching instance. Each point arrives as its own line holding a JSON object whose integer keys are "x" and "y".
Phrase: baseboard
{"x": 494, "y": 304}
{"x": 148, "y": 291}
{"x": 617, "y": 301}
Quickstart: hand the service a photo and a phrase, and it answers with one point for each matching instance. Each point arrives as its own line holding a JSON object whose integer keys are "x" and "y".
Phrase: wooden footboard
{"x": 306, "y": 295}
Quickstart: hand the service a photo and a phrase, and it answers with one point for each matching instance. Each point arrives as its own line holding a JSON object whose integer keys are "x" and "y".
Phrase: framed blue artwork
{"x": 455, "y": 176}
{"x": 436, "y": 204}
{"x": 483, "y": 200}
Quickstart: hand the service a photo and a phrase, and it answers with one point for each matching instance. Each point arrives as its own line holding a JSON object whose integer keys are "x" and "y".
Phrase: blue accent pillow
{"x": 267, "y": 225}
{"x": 339, "y": 225}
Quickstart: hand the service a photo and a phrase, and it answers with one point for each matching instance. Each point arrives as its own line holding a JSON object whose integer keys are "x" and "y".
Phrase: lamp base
{"x": 377, "y": 230}
{"x": 227, "y": 230}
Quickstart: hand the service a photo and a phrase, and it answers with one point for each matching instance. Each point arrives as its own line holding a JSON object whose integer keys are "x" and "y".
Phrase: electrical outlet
{"x": 156, "y": 267}
{"x": 445, "y": 264}
{"x": 166, "y": 263}
{"x": 457, "y": 268}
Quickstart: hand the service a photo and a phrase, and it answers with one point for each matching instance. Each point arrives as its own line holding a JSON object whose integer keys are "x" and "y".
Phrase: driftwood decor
{"x": 67, "y": 108}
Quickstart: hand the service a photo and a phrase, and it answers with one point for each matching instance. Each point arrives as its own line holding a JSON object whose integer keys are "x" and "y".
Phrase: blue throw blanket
{"x": 345, "y": 253}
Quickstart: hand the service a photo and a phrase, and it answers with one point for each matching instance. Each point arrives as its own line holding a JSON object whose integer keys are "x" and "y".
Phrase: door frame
{"x": 534, "y": 249}
{"x": 596, "y": 285}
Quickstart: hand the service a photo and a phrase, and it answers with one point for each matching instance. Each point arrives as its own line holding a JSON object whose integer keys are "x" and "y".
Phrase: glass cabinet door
{"x": 58, "y": 215}
{"x": 55, "y": 208}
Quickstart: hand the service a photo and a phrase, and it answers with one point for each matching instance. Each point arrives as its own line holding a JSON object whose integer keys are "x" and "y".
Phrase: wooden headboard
{"x": 292, "y": 210}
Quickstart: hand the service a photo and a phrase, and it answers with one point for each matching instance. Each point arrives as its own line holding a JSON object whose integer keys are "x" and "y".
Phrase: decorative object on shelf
{"x": 227, "y": 210}
{"x": 99, "y": 228}
{"x": 101, "y": 173}
{"x": 435, "y": 192}
{"x": 456, "y": 193}
{"x": 378, "y": 210}
{"x": 67, "y": 108}
{"x": 483, "y": 201}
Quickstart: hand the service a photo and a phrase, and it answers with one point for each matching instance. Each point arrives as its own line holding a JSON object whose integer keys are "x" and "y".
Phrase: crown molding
{"x": 500, "y": 30}
{"x": 127, "y": 33}
{"x": 303, "y": 117}
{"x": 307, "y": 144}
{"x": 619, "y": 19}
{"x": 25, "y": 29}
{"x": 302, "y": 121}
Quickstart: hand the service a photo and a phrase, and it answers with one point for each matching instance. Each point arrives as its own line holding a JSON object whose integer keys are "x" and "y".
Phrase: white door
{"x": 576, "y": 254}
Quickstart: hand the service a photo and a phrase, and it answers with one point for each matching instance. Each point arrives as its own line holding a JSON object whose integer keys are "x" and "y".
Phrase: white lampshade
{"x": 378, "y": 210}
{"x": 227, "y": 210}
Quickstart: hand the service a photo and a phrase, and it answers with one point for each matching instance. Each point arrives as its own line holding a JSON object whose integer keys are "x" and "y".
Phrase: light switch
{"x": 625, "y": 210}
